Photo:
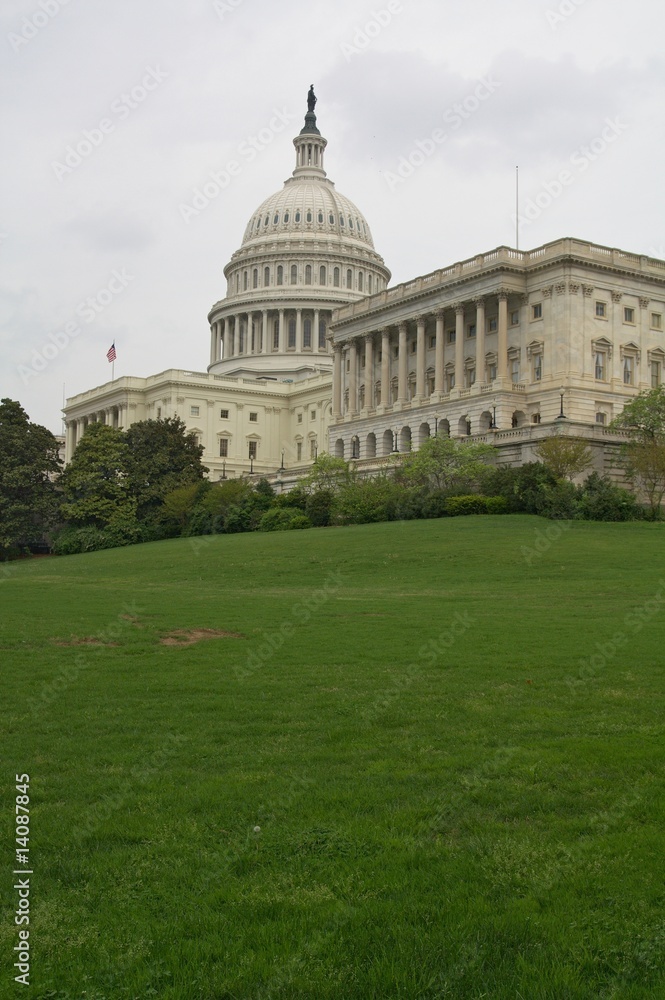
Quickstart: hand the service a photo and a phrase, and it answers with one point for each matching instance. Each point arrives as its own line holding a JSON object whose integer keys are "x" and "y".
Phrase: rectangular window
{"x": 312, "y": 449}
{"x": 471, "y": 330}
{"x": 223, "y": 414}
{"x": 515, "y": 317}
{"x": 432, "y": 342}
{"x": 159, "y": 413}
{"x": 312, "y": 414}
{"x": 193, "y": 411}
{"x": 395, "y": 352}
{"x": 537, "y": 311}
{"x": 601, "y": 310}
{"x": 656, "y": 321}
{"x": 628, "y": 371}
{"x": 299, "y": 451}
{"x": 252, "y": 449}
{"x": 254, "y": 417}
{"x": 451, "y": 336}
{"x": 655, "y": 374}
{"x": 300, "y": 418}
{"x": 492, "y": 372}
{"x": 413, "y": 347}
{"x": 362, "y": 361}
{"x": 600, "y": 366}
{"x": 450, "y": 381}
{"x": 470, "y": 377}
{"x": 628, "y": 315}
{"x": 515, "y": 370}
{"x": 223, "y": 447}
{"x": 600, "y": 418}
{"x": 537, "y": 368}
{"x": 493, "y": 324}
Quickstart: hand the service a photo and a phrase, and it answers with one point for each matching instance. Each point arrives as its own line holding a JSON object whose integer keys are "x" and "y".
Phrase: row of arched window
{"x": 281, "y": 275}
{"x": 309, "y": 216}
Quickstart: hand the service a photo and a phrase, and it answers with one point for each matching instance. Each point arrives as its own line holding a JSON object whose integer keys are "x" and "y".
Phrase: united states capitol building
{"x": 312, "y": 351}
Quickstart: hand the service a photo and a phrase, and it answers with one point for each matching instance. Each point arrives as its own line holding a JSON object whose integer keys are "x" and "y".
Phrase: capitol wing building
{"x": 311, "y": 351}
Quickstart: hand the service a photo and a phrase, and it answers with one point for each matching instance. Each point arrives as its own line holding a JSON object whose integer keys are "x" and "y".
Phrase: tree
{"x": 29, "y": 462}
{"x": 444, "y": 464}
{"x": 162, "y": 457}
{"x": 644, "y": 455}
{"x": 565, "y": 457}
{"x": 644, "y": 416}
{"x": 327, "y": 473}
{"x": 95, "y": 486}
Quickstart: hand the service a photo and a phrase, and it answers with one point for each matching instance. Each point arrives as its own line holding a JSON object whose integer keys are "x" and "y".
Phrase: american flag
{"x": 110, "y": 354}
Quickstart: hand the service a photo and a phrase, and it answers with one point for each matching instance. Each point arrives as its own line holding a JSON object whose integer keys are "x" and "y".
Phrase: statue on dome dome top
{"x": 311, "y": 98}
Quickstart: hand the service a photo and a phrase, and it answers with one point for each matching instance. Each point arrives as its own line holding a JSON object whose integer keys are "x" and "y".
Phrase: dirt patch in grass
{"x": 187, "y": 637}
{"x": 83, "y": 640}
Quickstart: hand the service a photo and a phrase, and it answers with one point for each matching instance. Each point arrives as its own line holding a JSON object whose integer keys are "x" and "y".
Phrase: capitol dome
{"x": 306, "y": 250}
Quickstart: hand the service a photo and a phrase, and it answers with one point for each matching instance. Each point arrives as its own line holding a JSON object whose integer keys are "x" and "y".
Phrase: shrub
{"x": 474, "y": 504}
{"x": 601, "y": 500}
{"x": 365, "y": 501}
{"x": 319, "y": 507}
{"x": 283, "y": 519}
{"x": 559, "y": 502}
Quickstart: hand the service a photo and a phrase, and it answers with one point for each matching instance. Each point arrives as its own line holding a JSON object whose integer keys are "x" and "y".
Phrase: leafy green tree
{"x": 644, "y": 416}
{"x": 327, "y": 473}
{"x": 644, "y": 455}
{"x": 445, "y": 464}
{"x": 162, "y": 457}
{"x": 565, "y": 457}
{"x": 28, "y": 464}
{"x": 95, "y": 485}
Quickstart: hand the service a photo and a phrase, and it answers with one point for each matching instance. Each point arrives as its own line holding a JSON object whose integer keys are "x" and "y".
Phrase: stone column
{"x": 213, "y": 343}
{"x": 265, "y": 332}
{"x": 369, "y": 372}
{"x": 401, "y": 367}
{"x": 502, "y": 348}
{"x": 315, "y": 331}
{"x": 337, "y": 380}
{"x": 459, "y": 345}
{"x": 299, "y": 331}
{"x": 439, "y": 385}
{"x": 480, "y": 340}
{"x": 280, "y": 346}
{"x": 353, "y": 378}
{"x": 420, "y": 358}
{"x": 385, "y": 367}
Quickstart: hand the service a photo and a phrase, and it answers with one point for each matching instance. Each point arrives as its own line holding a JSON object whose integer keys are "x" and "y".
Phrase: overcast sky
{"x": 115, "y": 111}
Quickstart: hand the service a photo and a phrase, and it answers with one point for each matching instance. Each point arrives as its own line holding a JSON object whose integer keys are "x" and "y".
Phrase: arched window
{"x": 360, "y": 281}
{"x": 280, "y": 274}
{"x": 286, "y": 218}
{"x": 266, "y": 220}
{"x": 308, "y": 274}
{"x": 275, "y": 336}
{"x": 350, "y": 223}
{"x": 294, "y": 274}
{"x": 322, "y": 335}
{"x": 298, "y": 216}
{"x": 307, "y": 333}
{"x": 266, "y": 276}
{"x": 255, "y": 278}
{"x": 237, "y": 282}
{"x": 292, "y": 334}
{"x": 323, "y": 280}
{"x": 331, "y": 219}
{"x": 341, "y": 220}
{"x": 245, "y": 279}
{"x": 320, "y": 217}
{"x": 369, "y": 284}
{"x": 336, "y": 277}
{"x": 309, "y": 215}
{"x": 349, "y": 278}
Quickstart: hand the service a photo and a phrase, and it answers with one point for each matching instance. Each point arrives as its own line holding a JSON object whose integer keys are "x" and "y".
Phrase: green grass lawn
{"x": 427, "y": 763}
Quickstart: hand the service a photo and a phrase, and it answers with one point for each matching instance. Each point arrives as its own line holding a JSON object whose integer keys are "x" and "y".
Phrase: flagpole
{"x": 517, "y": 208}
{"x": 113, "y": 371}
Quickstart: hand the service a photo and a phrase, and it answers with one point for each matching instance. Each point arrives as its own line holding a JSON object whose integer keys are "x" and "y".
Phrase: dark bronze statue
{"x": 311, "y": 98}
